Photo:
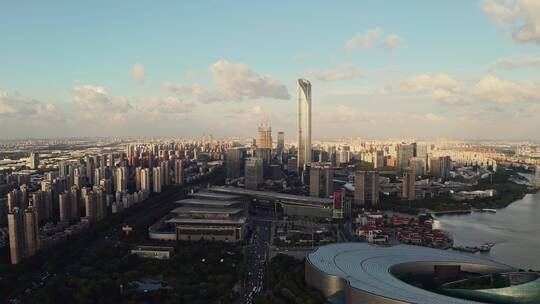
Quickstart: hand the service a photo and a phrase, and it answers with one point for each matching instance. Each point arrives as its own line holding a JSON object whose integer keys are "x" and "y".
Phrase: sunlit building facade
{"x": 304, "y": 123}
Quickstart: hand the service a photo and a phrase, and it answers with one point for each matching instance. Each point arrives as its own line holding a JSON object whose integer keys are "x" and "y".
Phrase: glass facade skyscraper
{"x": 304, "y": 123}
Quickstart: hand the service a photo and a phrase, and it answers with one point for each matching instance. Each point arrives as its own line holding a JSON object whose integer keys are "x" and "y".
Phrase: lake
{"x": 515, "y": 230}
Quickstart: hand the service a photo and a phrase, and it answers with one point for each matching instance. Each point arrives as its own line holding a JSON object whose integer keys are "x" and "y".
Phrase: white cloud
{"x": 445, "y": 89}
{"x": 373, "y": 37}
{"x": 366, "y": 40}
{"x": 239, "y": 81}
{"x": 516, "y": 63}
{"x": 442, "y": 87}
{"x": 165, "y": 105}
{"x": 234, "y": 82}
{"x": 137, "y": 73}
{"x": 197, "y": 91}
{"x": 96, "y": 99}
{"x": 390, "y": 42}
{"x": 15, "y": 106}
{"x": 434, "y": 117}
{"x": 344, "y": 72}
{"x": 94, "y": 103}
{"x": 493, "y": 89}
{"x": 522, "y": 17}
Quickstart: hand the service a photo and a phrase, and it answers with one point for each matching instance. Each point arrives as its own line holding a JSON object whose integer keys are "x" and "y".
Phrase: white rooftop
{"x": 367, "y": 267}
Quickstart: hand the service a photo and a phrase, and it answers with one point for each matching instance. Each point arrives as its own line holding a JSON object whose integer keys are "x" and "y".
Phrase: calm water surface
{"x": 515, "y": 230}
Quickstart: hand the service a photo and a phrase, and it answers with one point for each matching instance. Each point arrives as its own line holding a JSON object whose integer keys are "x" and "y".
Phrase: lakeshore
{"x": 513, "y": 231}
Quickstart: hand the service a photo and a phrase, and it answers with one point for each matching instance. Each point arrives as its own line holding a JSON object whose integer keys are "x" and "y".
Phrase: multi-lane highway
{"x": 257, "y": 252}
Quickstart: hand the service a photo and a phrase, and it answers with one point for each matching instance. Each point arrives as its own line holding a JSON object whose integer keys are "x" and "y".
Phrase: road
{"x": 257, "y": 253}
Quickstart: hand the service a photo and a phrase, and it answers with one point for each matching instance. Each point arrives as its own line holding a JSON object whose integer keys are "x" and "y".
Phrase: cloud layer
{"x": 448, "y": 90}
{"x": 522, "y": 17}
{"x": 14, "y": 106}
{"x": 137, "y": 73}
{"x": 344, "y": 72}
{"x": 373, "y": 37}
{"x": 233, "y": 82}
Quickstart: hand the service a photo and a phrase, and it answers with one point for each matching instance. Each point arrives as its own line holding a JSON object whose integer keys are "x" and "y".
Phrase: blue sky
{"x": 55, "y": 56}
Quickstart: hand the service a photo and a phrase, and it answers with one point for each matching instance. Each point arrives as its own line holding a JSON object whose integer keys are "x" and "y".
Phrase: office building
{"x": 280, "y": 147}
{"x": 321, "y": 180}
{"x": 440, "y": 167}
{"x": 304, "y": 123}
{"x": 234, "y": 158}
{"x": 292, "y": 165}
{"x": 263, "y": 153}
{"x": 265, "y": 137}
{"x": 254, "y": 173}
{"x": 418, "y": 165}
{"x": 404, "y": 154}
{"x": 366, "y": 188}
{"x": 408, "y": 184}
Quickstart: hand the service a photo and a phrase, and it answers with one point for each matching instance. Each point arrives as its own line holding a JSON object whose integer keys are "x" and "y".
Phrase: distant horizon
{"x": 409, "y": 139}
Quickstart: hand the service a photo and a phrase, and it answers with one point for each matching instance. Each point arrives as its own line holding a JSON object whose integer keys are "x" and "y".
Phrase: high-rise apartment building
{"x": 537, "y": 176}
{"x": 76, "y": 203}
{"x": 178, "y": 172}
{"x": 16, "y": 235}
{"x": 156, "y": 178}
{"x": 121, "y": 179}
{"x": 165, "y": 173}
{"x": 304, "y": 123}
{"x": 366, "y": 188}
{"x": 408, "y": 184}
{"x": 254, "y": 173}
{"x": 90, "y": 205}
{"x": 321, "y": 180}
{"x": 31, "y": 232}
{"x": 13, "y": 199}
{"x": 138, "y": 178}
{"x": 146, "y": 182}
{"x": 64, "y": 204}
{"x": 378, "y": 159}
{"x": 33, "y": 160}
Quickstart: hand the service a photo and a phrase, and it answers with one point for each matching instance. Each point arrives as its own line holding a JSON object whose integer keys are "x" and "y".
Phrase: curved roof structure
{"x": 368, "y": 268}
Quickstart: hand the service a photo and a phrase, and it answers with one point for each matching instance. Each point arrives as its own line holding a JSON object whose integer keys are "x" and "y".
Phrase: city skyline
{"x": 163, "y": 71}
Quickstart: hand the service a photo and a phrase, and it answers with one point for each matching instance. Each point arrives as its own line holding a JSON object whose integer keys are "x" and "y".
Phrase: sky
{"x": 461, "y": 69}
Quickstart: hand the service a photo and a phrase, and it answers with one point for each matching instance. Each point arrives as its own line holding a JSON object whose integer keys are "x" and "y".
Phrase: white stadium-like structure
{"x": 368, "y": 274}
